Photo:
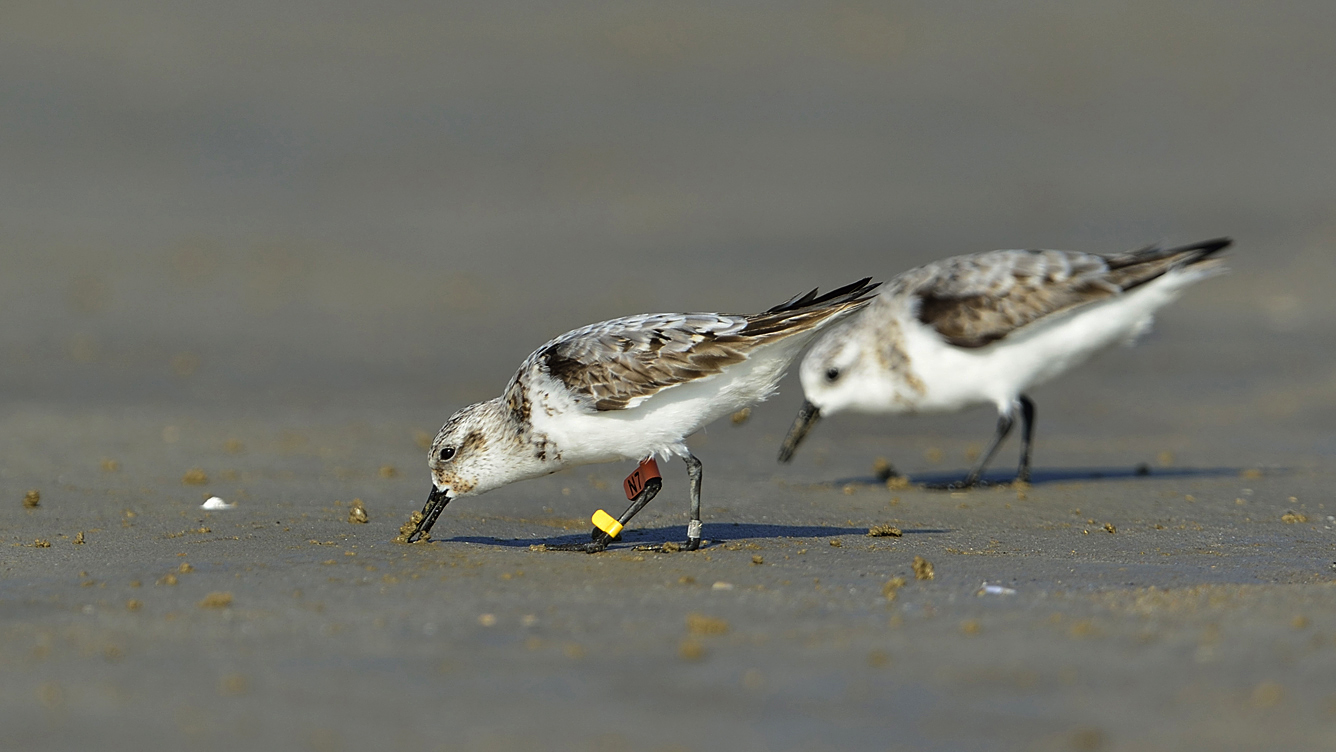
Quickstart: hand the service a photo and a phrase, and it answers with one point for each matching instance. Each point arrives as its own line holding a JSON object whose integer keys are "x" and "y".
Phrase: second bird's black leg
{"x": 1004, "y": 424}
{"x": 1027, "y": 434}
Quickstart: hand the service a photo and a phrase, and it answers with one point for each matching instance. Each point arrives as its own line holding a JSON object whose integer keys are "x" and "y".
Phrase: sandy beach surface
{"x": 262, "y": 252}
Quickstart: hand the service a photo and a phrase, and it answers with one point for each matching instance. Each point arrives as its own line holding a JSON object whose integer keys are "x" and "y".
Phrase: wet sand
{"x": 1178, "y": 609}
{"x": 224, "y": 279}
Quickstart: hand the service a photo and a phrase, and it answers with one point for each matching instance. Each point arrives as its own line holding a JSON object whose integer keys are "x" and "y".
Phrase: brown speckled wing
{"x": 615, "y": 364}
{"x": 612, "y": 365}
{"x": 975, "y": 300}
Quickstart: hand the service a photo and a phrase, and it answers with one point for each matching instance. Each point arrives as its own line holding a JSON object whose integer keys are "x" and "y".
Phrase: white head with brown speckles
{"x": 843, "y": 372}
{"x": 837, "y": 372}
{"x": 479, "y": 449}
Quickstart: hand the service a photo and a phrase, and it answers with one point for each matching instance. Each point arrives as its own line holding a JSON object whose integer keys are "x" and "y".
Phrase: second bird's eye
{"x": 832, "y": 374}
{"x": 447, "y": 453}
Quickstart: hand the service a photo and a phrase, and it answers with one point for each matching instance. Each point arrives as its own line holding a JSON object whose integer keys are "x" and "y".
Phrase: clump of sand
{"x": 407, "y": 528}
{"x": 216, "y": 599}
{"x": 892, "y": 587}
{"x": 922, "y": 568}
{"x": 357, "y": 512}
{"x": 700, "y": 624}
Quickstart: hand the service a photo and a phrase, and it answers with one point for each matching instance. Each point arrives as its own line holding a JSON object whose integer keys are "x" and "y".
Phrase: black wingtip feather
{"x": 797, "y": 301}
{"x": 1211, "y": 246}
{"x": 851, "y": 292}
{"x": 1202, "y": 250}
{"x": 1191, "y": 253}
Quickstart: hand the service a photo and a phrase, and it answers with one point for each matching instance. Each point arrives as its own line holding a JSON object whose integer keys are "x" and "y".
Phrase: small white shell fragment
{"x": 721, "y": 585}
{"x": 215, "y": 502}
{"x": 987, "y": 589}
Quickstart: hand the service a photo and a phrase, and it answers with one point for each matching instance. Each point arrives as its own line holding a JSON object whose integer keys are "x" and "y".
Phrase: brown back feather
{"x": 609, "y": 365}
{"x": 973, "y": 301}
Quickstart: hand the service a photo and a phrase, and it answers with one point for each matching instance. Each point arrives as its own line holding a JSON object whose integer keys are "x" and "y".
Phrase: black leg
{"x": 1027, "y": 433}
{"x": 693, "y": 527}
{"x": 694, "y": 473}
{"x": 599, "y": 539}
{"x": 1004, "y": 423}
{"x": 644, "y": 497}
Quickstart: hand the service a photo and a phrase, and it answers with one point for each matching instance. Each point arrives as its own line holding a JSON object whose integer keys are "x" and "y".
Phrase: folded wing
{"x": 973, "y": 301}
{"x": 615, "y": 365}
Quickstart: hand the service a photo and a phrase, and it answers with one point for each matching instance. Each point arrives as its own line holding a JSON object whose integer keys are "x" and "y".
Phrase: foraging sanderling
{"x": 983, "y": 328}
{"x": 629, "y": 388}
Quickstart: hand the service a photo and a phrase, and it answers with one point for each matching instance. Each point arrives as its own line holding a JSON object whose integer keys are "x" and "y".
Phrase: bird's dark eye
{"x": 832, "y": 374}
{"x": 447, "y": 453}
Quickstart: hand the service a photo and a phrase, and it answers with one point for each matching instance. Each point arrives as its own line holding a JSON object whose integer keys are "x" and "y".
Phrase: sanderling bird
{"x": 629, "y": 388}
{"x": 983, "y": 328}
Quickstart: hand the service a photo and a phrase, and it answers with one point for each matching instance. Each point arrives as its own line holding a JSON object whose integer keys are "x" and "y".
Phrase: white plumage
{"x": 982, "y": 329}
{"x": 629, "y": 388}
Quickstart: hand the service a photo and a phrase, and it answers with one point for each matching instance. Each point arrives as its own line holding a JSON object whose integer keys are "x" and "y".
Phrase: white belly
{"x": 659, "y": 425}
{"x": 956, "y": 378}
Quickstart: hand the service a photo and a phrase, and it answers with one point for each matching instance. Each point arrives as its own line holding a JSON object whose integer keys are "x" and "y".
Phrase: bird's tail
{"x": 810, "y": 310}
{"x": 1134, "y": 268}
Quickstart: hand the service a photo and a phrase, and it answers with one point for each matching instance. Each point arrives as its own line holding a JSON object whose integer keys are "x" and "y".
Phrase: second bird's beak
{"x": 808, "y": 415}
{"x": 436, "y": 502}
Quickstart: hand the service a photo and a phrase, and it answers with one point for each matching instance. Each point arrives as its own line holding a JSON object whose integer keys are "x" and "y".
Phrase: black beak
{"x": 808, "y": 415}
{"x": 436, "y": 501}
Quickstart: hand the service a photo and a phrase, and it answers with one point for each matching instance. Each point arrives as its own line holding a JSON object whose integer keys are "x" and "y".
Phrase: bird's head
{"x": 825, "y": 378}
{"x": 468, "y": 456}
{"x": 832, "y": 372}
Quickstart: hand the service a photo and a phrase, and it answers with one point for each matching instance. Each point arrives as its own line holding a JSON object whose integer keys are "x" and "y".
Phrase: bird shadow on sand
{"x": 1044, "y": 476}
{"x": 715, "y": 533}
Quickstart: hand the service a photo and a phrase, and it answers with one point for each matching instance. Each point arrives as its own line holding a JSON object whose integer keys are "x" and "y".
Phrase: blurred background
{"x": 264, "y": 249}
{"x": 285, "y": 204}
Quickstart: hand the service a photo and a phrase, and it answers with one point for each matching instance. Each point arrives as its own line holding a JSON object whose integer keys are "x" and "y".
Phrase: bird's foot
{"x": 592, "y": 547}
{"x": 693, "y": 530}
{"x": 967, "y": 484}
{"x": 958, "y": 485}
{"x": 598, "y": 542}
{"x": 671, "y": 547}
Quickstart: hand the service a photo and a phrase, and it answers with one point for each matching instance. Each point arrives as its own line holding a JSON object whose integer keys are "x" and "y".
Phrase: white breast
{"x": 955, "y": 378}
{"x": 660, "y": 424}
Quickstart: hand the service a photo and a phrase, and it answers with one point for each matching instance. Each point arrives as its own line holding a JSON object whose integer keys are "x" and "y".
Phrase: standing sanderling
{"x": 629, "y": 388}
{"x": 983, "y": 328}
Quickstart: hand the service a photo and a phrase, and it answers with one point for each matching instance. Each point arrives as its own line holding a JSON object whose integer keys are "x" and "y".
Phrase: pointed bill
{"x": 808, "y": 415}
{"x": 436, "y": 502}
